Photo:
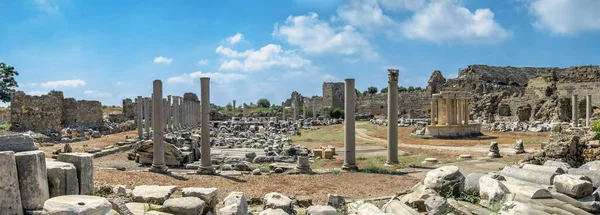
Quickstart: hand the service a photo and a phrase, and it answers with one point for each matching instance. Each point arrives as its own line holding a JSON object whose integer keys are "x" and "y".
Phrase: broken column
{"x": 574, "y": 105}
{"x": 147, "y": 117}
{"x": 392, "y": 117}
{"x": 84, "y": 165}
{"x": 283, "y": 110}
{"x": 314, "y": 112}
{"x": 10, "y": 196}
{"x": 62, "y": 178}
{"x": 205, "y": 163}
{"x": 349, "y": 141}
{"x": 158, "y": 148}
{"x": 33, "y": 179}
{"x": 588, "y": 110}
{"x": 140, "y": 126}
{"x": 295, "y": 114}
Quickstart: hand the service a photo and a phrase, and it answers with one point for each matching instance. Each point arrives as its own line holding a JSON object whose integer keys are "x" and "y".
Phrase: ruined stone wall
{"x": 89, "y": 113}
{"x": 69, "y": 109}
{"x": 414, "y": 104}
{"x": 333, "y": 95}
{"x": 40, "y": 113}
{"x": 129, "y": 109}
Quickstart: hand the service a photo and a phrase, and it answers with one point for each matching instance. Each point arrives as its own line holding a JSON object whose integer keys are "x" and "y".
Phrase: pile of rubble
{"x": 516, "y": 126}
{"x": 566, "y": 144}
{"x": 402, "y": 122}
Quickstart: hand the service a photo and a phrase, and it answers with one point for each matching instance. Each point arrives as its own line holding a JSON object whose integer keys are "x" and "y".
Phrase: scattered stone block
{"x": 145, "y": 208}
{"x": 321, "y": 210}
{"x": 152, "y": 193}
{"x": 84, "y": 164}
{"x": 184, "y": 206}
{"x": 491, "y": 191}
{"x": 444, "y": 180}
{"x": 62, "y": 178}
{"x": 437, "y": 205}
{"x": 279, "y": 201}
{"x": 317, "y": 153}
{"x": 368, "y": 208}
{"x": 471, "y": 184}
{"x": 563, "y": 165}
{"x": 573, "y": 185}
{"x": 33, "y": 179}
{"x": 394, "y": 206}
{"x": 270, "y": 211}
{"x": 336, "y": 201}
{"x": 235, "y": 203}
{"x": 464, "y": 157}
{"x": 592, "y": 174}
{"x": 548, "y": 169}
{"x": 17, "y": 143}
{"x": 537, "y": 177}
{"x": 10, "y": 195}
{"x": 461, "y": 207}
{"x": 77, "y": 205}
{"x": 430, "y": 160}
{"x": 208, "y": 195}
{"x": 328, "y": 154}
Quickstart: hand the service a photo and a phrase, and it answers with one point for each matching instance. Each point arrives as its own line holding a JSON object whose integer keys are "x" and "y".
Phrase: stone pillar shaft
{"x": 295, "y": 114}
{"x": 392, "y": 117}
{"x": 588, "y": 110}
{"x": 459, "y": 111}
{"x": 432, "y": 112}
{"x": 139, "y": 115}
{"x": 448, "y": 111}
{"x": 205, "y": 164}
{"x": 574, "y": 108}
{"x": 158, "y": 158}
{"x": 147, "y": 117}
{"x": 314, "y": 111}
{"x": 349, "y": 123}
{"x": 169, "y": 114}
{"x": 466, "y": 111}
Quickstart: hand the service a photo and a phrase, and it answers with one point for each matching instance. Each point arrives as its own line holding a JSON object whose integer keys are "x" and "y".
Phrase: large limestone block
{"x": 321, "y": 210}
{"x": 85, "y": 170}
{"x": 471, "y": 184}
{"x": 461, "y": 207}
{"x": 279, "y": 201}
{"x": 573, "y": 185}
{"x": 62, "y": 178}
{"x": 437, "y": 205}
{"x": 537, "y": 177}
{"x": 394, "y": 206}
{"x": 17, "y": 143}
{"x": 491, "y": 191}
{"x": 418, "y": 196}
{"x": 10, "y": 197}
{"x": 77, "y": 205}
{"x": 526, "y": 189}
{"x": 592, "y": 174}
{"x": 208, "y": 195}
{"x": 444, "y": 180}
{"x": 33, "y": 179}
{"x": 144, "y": 208}
{"x": 235, "y": 204}
{"x": 184, "y": 206}
{"x": 271, "y": 211}
{"x": 548, "y": 169}
{"x": 152, "y": 193}
{"x": 369, "y": 209}
{"x": 563, "y": 165}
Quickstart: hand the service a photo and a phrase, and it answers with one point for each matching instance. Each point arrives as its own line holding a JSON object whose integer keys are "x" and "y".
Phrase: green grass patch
{"x": 5, "y": 126}
{"x": 530, "y": 142}
{"x": 102, "y": 190}
{"x": 370, "y": 127}
{"x": 319, "y": 163}
{"x": 327, "y": 134}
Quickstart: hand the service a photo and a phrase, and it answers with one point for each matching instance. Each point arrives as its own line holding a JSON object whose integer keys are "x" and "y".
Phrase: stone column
{"x": 574, "y": 105}
{"x": 175, "y": 110}
{"x": 588, "y": 110}
{"x": 283, "y": 110}
{"x": 466, "y": 111}
{"x": 233, "y": 109}
{"x": 448, "y": 111}
{"x": 349, "y": 141}
{"x": 433, "y": 110}
{"x": 205, "y": 164}
{"x": 303, "y": 109}
{"x": 295, "y": 114}
{"x": 33, "y": 179}
{"x": 314, "y": 111}
{"x": 441, "y": 114}
{"x": 169, "y": 113}
{"x": 9, "y": 191}
{"x": 158, "y": 148}
{"x": 392, "y": 117}
{"x": 147, "y": 117}
{"x": 139, "y": 115}
{"x": 459, "y": 111}
{"x": 164, "y": 116}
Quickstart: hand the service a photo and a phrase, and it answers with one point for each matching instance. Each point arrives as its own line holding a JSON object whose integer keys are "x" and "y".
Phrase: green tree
{"x": 384, "y": 90}
{"x": 411, "y": 88}
{"x": 263, "y": 103}
{"x": 402, "y": 89}
{"x": 7, "y": 81}
{"x": 228, "y": 107}
{"x": 418, "y": 88}
{"x": 357, "y": 92}
{"x": 336, "y": 113}
{"x": 372, "y": 90}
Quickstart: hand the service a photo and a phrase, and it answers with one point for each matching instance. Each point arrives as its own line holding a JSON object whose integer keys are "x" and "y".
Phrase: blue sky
{"x": 110, "y": 50}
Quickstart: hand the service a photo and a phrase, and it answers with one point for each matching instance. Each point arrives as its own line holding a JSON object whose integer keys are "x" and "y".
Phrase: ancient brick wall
{"x": 40, "y": 113}
{"x": 414, "y": 104}
{"x": 89, "y": 113}
{"x": 333, "y": 94}
{"x": 69, "y": 109}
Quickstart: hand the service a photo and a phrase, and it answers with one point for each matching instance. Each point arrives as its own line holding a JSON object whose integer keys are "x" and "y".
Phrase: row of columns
{"x": 575, "y": 110}
{"x": 449, "y": 108}
{"x": 176, "y": 114}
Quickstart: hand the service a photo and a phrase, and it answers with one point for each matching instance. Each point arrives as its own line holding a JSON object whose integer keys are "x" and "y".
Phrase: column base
{"x": 349, "y": 167}
{"x": 206, "y": 170}
{"x": 391, "y": 163}
{"x": 162, "y": 169}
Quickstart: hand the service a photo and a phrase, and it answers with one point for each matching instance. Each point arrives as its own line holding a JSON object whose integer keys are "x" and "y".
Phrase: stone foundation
{"x": 449, "y": 131}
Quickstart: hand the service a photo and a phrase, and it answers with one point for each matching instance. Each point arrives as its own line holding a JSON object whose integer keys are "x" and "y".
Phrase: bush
{"x": 263, "y": 103}
{"x": 372, "y": 90}
{"x": 596, "y": 129}
{"x": 336, "y": 113}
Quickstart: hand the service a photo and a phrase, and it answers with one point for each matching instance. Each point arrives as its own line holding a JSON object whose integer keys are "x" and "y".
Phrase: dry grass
{"x": 350, "y": 185}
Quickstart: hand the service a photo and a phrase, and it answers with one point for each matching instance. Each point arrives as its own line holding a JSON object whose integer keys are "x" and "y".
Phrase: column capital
{"x": 393, "y": 74}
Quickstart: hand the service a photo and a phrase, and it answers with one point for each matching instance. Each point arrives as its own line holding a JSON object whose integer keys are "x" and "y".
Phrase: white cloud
{"x": 37, "y": 93}
{"x": 219, "y": 78}
{"x": 448, "y": 20}
{"x": 566, "y": 17}
{"x": 266, "y": 57}
{"x": 122, "y": 83}
{"x": 48, "y": 6}
{"x": 203, "y": 62}
{"x": 163, "y": 60}
{"x": 329, "y": 77}
{"x": 96, "y": 94}
{"x": 314, "y": 36}
{"x": 365, "y": 14}
{"x": 64, "y": 83}
{"x": 235, "y": 38}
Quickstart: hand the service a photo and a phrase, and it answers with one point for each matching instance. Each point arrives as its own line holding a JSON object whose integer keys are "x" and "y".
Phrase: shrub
{"x": 263, "y": 103}
{"x": 336, "y": 113}
{"x": 596, "y": 129}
